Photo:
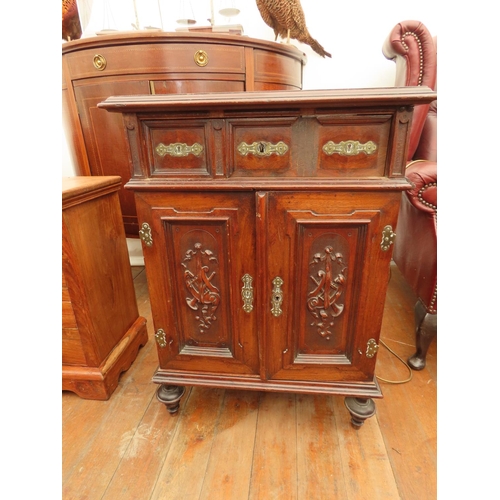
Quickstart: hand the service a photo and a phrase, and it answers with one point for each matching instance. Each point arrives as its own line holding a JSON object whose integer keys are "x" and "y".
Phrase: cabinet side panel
{"x": 97, "y": 270}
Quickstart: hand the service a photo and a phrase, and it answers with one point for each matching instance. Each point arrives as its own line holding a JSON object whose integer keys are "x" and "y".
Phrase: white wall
{"x": 353, "y": 31}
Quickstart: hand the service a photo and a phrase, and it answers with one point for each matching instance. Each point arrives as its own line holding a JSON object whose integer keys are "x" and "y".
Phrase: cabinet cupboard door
{"x": 200, "y": 268}
{"x": 323, "y": 317}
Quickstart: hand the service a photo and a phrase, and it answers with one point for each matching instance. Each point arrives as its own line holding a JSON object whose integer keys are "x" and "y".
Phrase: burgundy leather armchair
{"x": 414, "y": 50}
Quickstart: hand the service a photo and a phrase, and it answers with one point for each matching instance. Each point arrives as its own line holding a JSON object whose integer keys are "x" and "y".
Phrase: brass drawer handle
{"x": 99, "y": 62}
{"x": 262, "y": 148}
{"x": 179, "y": 149}
{"x": 277, "y": 297}
{"x": 201, "y": 58}
{"x": 247, "y": 293}
{"x": 349, "y": 148}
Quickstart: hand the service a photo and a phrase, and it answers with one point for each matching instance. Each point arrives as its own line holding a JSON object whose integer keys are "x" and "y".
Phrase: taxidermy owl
{"x": 71, "y": 28}
{"x": 287, "y": 19}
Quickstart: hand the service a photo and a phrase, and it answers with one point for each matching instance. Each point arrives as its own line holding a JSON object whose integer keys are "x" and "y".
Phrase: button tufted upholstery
{"x": 414, "y": 50}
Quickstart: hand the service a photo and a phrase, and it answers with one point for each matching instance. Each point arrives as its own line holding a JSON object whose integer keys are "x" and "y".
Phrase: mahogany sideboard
{"x": 157, "y": 63}
{"x": 267, "y": 221}
{"x": 101, "y": 327}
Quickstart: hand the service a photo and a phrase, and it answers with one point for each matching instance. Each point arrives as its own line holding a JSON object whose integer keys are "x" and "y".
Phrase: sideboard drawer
{"x": 141, "y": 58}
{"x": 279, "y": 69}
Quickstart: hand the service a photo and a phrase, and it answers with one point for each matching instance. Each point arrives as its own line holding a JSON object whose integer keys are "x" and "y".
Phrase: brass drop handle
{"x": 277, "y": 297}
{"x": 99, "y": 62}
{"x": 201, "y": 58}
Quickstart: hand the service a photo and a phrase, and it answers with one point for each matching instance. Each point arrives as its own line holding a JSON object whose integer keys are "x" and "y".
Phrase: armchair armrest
{"x": 423, "y": 175}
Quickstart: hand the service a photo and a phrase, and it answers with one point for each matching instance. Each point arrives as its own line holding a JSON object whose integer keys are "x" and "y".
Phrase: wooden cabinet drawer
{"x": 353, "y": 145}
{"x": 159, "y": 58}
{"x": 178, "y": 148}
{"x": 260, "y": 146}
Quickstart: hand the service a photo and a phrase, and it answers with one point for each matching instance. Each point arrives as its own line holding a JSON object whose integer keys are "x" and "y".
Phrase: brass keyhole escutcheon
{"x": 99, "y": 62}
{"x": 277, "y": 297}
{"x": 201, "y": 58}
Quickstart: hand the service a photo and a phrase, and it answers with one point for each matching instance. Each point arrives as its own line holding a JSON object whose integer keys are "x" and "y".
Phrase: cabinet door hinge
{"x": 388, "y": 237}
{"x": 371, "y": 348}
{"x": 161, "y": 338}
{"x": 145, "y": 234}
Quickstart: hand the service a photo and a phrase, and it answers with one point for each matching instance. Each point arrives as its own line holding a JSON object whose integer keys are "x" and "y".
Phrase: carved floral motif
{"x": 205, "y": 296}
{"x": 330, "y": 283}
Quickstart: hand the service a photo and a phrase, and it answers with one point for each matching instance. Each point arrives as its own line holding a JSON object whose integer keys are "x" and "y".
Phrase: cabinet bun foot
{"x": 170, "y": 396}
{"x": 360, "y": 409}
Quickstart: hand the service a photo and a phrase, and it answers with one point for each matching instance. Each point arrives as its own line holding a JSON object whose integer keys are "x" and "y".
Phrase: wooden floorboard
{"x": 229, "y": 469}
{"x": 229, "y": 444}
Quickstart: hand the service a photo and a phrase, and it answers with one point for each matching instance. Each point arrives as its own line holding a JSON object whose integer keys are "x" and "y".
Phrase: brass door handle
{"x": 247, "y": 293}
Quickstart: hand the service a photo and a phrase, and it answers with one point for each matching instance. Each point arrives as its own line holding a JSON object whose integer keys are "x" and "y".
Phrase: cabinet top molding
{"x": 338, "y": 98}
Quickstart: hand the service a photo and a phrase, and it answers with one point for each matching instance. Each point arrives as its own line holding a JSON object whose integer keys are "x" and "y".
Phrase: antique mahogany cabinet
{"x": 267, "y": 221}
{"x": 101, "y": 327}
{"x": 97, "y": 67}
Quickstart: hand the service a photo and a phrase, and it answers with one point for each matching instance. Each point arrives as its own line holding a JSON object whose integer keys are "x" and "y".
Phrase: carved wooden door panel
{"x": 200, "y": 260}
{"x": 327, "y": 278}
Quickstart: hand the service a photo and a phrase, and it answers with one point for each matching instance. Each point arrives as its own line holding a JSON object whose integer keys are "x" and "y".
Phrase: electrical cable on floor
{"x": 402, "y": 361}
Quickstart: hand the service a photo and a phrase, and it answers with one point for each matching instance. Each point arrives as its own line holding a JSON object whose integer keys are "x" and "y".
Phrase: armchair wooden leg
{"x": 425, "y": 330}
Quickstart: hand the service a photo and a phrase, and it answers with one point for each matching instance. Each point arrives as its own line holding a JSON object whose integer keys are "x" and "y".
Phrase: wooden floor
{"x": 228, "y": 444}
